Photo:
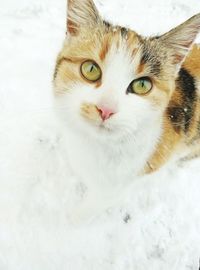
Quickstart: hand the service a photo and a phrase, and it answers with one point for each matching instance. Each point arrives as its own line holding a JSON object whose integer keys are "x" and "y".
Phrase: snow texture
{"x": 153, "y": 224}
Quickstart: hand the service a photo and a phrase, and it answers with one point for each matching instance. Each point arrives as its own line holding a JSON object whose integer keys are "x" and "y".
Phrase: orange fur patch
{"x": 192, "y": 62}
{"x": 90, "y": 112}
{"x": 105, "y": 47}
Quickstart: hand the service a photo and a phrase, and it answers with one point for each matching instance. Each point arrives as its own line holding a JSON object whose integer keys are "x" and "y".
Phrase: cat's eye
{"x": 140, "y": 86}
{"x": 91, "y": 71}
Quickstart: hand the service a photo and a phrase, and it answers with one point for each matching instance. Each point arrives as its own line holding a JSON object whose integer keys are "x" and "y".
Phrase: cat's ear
{"x": 180, "y": 39}
{"x": 81, "y": 13}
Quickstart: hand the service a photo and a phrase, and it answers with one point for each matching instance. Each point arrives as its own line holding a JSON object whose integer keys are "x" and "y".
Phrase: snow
{"x": 153, "y": 224}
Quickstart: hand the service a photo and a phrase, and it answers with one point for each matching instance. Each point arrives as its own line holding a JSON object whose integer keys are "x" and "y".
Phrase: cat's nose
{"x": 105, "y": 112}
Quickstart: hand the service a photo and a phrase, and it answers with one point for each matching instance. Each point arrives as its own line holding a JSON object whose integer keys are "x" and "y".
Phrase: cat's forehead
{"x": 102, "y": 42}
{"x": 119, "y": 38}
{"x": 144, "y": 55}
{"x": 147, "y": 53}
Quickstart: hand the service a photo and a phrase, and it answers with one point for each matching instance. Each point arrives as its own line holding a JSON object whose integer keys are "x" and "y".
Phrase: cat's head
{"x": 113, "y": 83}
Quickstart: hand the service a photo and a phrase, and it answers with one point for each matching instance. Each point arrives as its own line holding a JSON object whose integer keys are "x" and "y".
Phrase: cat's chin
{"x": 100, "y": 129}
{"x": 106, "y": 131}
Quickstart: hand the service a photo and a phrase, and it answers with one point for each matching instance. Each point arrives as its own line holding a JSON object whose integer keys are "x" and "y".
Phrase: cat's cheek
{"x": 69, "y": 105}
{"x": 138, "y": 109}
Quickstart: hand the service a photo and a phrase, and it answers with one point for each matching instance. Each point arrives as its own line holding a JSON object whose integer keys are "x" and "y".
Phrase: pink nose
{"x": 105, "y": 113}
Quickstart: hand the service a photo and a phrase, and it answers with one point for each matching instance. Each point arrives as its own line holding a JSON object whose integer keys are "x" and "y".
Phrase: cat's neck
{"x": 110, "y": 163}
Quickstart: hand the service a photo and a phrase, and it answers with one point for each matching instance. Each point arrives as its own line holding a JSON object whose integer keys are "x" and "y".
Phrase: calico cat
{"x": 129, "y": 103}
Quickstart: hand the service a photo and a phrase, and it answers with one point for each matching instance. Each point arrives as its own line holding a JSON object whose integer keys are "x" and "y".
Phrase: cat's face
{"x": 112, "y": 83}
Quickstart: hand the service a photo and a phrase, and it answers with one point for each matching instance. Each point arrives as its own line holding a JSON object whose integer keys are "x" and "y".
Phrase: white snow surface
{"x": 154, "y": 223}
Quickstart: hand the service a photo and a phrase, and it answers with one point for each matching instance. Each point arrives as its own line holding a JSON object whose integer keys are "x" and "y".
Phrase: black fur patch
{"x": 149, "y": 57}
{"x": 176, "y": 115}
{"x": 198, "y": 127}
{"x": 107, "y": 25}
{"x": 124, "y": 32}
{"x": 182, "y": 114}
{"x": 186, "y": 84}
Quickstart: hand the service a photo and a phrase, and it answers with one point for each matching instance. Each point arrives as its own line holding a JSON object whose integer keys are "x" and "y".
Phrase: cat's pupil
{"x": 142, "y": 83}
{"x": 92, "y": 67}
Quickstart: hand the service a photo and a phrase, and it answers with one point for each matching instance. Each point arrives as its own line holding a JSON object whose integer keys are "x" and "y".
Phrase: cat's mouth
{"x": 102, "y": 126}
{"x": 105, "y": 127}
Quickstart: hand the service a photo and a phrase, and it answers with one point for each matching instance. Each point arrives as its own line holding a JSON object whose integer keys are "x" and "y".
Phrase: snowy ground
{"x": 156, "y": 222}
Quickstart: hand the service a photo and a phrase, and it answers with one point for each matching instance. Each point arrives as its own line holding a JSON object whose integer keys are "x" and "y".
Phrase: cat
{"x": 129, "y": 104}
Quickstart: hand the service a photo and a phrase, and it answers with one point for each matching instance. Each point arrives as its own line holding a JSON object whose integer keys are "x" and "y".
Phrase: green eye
{"x": 91, "y": 71}
{"x": 140, "y": 86}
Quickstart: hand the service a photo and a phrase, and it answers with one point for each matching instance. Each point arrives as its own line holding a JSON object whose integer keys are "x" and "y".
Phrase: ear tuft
{"x": 181, "y": 38}
{"x": 81, "y": 13}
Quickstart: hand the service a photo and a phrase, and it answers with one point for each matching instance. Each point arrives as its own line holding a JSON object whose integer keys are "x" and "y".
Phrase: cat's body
{"x": 114, "y": 134}
{"x": 181, "y": 134}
